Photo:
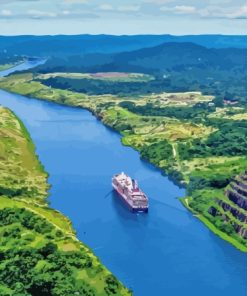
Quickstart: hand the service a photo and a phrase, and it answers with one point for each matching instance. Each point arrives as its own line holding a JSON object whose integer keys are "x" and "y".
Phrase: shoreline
{"x": 39, "y": 205}
{"x": 181, "y": 184}
{"x": 213, "y": 228}
{"x": 6, "y": 67}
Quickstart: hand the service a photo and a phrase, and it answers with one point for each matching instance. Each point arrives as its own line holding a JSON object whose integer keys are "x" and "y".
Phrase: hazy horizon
{"x": 122, "y": 35}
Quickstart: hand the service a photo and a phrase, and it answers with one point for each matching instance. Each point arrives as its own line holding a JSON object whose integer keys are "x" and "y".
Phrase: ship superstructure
{"x": 130, "y": 192}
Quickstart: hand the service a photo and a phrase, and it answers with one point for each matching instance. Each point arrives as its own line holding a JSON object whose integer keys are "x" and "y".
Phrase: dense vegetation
{"x": 195, "y": 113}
{"x": 99, "y": 87}
{"x": 177, "y": 67}
{"x": 39, "y": 252}
{"x": 8, "y": 61}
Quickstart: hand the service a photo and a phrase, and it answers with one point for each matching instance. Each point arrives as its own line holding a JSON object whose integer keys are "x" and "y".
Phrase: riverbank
{"x": 213, "y": 228}
{"x": 52, "y": 259}
{"x": 4, "y": 67}
{"x": 164, "y": 141}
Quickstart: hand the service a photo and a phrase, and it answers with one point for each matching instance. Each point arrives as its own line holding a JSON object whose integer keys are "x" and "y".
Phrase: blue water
{"x": 164, "y": 252}
{"x": 29, "y": 64}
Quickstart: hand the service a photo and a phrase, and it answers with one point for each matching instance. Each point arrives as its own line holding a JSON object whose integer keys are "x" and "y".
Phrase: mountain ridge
{"x": 85, "y": 43}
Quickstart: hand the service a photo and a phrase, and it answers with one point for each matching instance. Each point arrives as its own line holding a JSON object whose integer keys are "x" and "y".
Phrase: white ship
{"x": 130, "y": 193}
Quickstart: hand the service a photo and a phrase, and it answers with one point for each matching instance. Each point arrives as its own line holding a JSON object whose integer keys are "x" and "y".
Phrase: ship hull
{"x": 125, "y": 201}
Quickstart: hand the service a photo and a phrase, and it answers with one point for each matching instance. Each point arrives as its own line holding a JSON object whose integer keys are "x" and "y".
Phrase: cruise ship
{"x": 129, "y": 191}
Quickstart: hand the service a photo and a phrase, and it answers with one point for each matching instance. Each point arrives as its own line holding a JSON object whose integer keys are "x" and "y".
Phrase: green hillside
{"x": 39, "y": 251}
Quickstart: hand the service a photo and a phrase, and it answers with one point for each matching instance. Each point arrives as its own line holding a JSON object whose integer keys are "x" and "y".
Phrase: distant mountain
{"x": 176, "y": 66}
{"x": 181, "y": 57}
{"x": 166, "y": 56}
{"x": 61, "y": 45}
{"x": 212, "y": 41}
{"x": 175, "y": 57}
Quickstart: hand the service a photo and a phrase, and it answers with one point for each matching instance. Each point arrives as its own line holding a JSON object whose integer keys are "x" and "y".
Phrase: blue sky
{"x": 118, "y": 17}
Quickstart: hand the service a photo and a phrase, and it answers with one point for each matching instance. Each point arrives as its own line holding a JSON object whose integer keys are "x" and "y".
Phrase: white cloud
{"x": 184, "y": 9}
{"x": 66, "y": 12}
{"x": 238, "y": 13}
{"x": 6, "y": 12}
{"x": 41, "y": 14}
{"x": 160, "y": 2}
{"x": 140, "y": 9}
{"x": 105, "y": 7}
{"x": 180, "y": 9}
{"x": 129, "y": 8}
{"x": 76, "y": 1}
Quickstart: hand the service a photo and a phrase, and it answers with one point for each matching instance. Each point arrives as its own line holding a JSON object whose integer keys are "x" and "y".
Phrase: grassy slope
{"x": 23, "y": 185}
{"x": 146, "y": 131}
{"x": 213, "y": 228}
{"x": 6, "y": 67}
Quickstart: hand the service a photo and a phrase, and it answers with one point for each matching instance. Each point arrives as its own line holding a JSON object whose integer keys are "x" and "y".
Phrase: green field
{"x": 186, "y": 135}
{"x": 5, "y": 67}
{"x": 40, "y": 254}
